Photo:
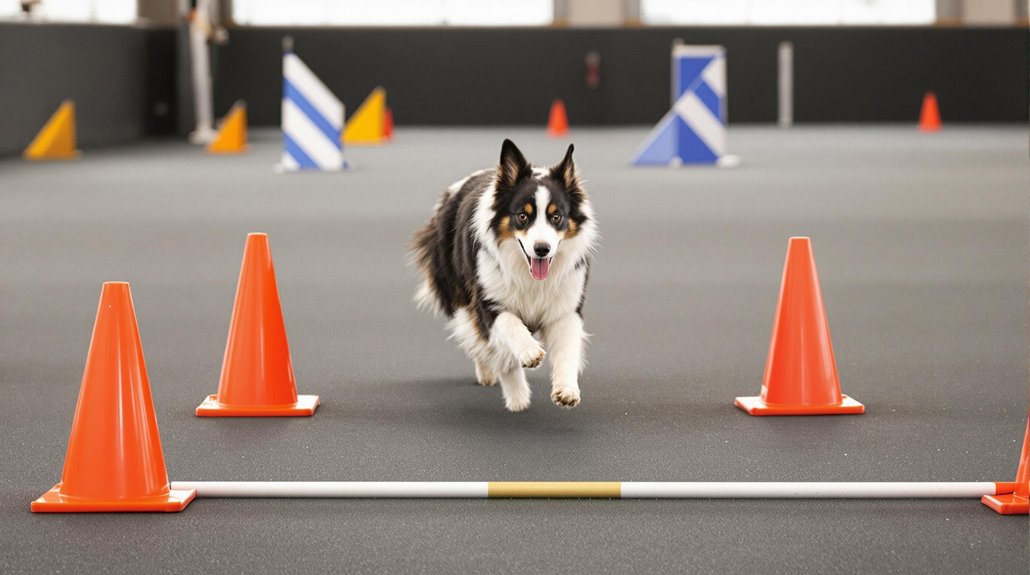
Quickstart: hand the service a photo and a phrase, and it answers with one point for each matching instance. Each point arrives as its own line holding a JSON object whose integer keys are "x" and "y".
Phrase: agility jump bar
{"x": 593, "y": 489}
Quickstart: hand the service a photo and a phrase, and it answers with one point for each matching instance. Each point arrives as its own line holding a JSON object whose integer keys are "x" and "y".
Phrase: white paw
{"x": 532, "y": 355}
{"x": 516, "y": 404}
{"x": 565, "y": 397}
{"x": 484, "y": 376}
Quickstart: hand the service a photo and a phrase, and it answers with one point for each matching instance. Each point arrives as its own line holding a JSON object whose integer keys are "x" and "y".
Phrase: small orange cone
{"x": 367, "y": 124}
{"x": 56, "y": 141}
{"x": 114, "y": 460}
{"x": 232, "y": 133}
{"x": 1018, "y": 501}
{"x": 800, "y": 372}
{"x": 388, "y": 125}
{"x": 257, "y": 373}
{"x": 930, "y": 116}
{"x": 558, "y": 122}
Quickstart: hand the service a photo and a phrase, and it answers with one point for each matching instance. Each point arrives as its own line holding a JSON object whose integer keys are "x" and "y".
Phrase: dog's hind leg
{"x": 516, "y": 390}
{"x": 485, "y": 374}
{"x": 510, "y": 335}
{"x": 565, "y": 338}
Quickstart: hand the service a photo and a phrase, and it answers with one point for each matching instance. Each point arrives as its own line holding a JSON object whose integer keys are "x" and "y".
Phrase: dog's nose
{"x": 541, "y": 250}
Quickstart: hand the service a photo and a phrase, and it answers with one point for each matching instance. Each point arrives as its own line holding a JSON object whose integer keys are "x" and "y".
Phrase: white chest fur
{"x": 506, "y": 281}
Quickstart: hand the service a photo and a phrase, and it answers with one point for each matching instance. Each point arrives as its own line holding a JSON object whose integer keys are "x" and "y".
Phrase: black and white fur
{"x": 492, "y": 236}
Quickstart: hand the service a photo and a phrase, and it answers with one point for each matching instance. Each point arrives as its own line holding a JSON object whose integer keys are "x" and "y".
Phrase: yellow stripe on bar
{"x": 554, "y": 489}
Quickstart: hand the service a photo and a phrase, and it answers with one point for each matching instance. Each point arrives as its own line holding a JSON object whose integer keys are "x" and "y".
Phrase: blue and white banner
{"x": 694, "y": 130}
{"x": 312, "y": 120}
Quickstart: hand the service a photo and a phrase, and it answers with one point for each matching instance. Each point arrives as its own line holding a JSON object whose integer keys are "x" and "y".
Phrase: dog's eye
{"x": 522, "y": 217}
{"x": 556, "y": 218}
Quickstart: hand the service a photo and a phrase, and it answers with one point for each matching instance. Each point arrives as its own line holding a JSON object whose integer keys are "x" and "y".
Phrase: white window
{"x": 495, "y": 13}
{"x": 97, "y": 11}
{"x": 788, "y": 12}
{"x": 394, "y": 12}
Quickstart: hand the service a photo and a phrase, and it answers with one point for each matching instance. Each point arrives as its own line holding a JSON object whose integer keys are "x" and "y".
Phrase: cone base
{"x": 755, "y": 406}
{"x": 375, "y": 142}
{"x": 225, "y": 152}
{"x": 53, "y": 157}
{"x": 929, "y": 129}
{"x": 53, "y": 502}
{"x": 1008, "y": 504}
{"x": 557, "y": 133}
{"x": 305, "y": 406}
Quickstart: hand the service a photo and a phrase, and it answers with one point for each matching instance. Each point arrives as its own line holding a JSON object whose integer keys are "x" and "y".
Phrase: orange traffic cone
{"x": 56, "y": 141}
{"x": 930, "y": 116}
{"x": 114, "y": 460}
{"x": 800, "y": 372}
{"x": 1018, "y": 501}
{"x": 257, "y": 374}
{"x": 232, "y": 133}
{"x": 558, "y": 122}
{"x": 388, "y": 125}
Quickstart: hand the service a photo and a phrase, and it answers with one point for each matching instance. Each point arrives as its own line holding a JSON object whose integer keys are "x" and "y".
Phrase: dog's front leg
{"x": 510, "y": 335}
{"x": 565, "y": 339}
{"x": 511, "y": 339}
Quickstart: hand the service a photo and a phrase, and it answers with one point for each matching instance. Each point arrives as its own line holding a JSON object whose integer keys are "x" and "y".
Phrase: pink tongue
{"x": 540, "y": 267}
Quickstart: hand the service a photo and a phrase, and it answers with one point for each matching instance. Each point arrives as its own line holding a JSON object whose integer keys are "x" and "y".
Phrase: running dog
{"x": 506, "y": 255}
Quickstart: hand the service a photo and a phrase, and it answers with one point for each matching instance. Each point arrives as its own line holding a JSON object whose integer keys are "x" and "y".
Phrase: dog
{"x": 506, "y": 255}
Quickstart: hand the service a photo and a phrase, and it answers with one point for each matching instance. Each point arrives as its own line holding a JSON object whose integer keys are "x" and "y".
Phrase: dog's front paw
{"x": 516, "y": 404}
{"x": 532, "y": 355}
{"x": 565, "y": 398}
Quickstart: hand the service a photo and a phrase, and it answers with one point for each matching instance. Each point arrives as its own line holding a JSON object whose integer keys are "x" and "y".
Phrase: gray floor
{"x": 922, "y": 245}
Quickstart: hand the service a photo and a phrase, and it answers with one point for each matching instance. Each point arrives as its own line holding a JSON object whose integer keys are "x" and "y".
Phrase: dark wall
{"x": 124, "y": 80}
{"x": 509, "y": 76}
{"x": 118, "y": 77}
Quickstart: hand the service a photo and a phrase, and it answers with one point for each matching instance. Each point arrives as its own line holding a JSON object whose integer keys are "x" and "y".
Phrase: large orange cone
{"x": 558, "y": 121}
{"x": 930, "y": 116}
{"x": 232, "y": 133}
{"x": 800, "y": 372}
{"x": 56, "y": 141}
{"x": 114, "y": 460}
{"x": 1018, "y": 501}
{"x": 257, "y": 373}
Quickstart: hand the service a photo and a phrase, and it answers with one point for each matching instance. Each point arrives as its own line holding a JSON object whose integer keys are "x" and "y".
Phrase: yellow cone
{"x": 232, "y": 133}
{"x": 367, "y": 126}
{"x": 56, "y": 141}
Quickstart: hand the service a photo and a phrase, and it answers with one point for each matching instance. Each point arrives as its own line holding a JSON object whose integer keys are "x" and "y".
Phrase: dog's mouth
{"x": 538, "y": 267}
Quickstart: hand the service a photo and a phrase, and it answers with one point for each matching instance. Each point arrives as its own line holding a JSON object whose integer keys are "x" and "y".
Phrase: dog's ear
{"x": 513, "y": 166}
{"x": 565, "y": 172}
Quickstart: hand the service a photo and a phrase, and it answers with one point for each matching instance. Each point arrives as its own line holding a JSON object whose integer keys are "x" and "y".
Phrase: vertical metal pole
{"x": 674, "y": 75}
{"x": 200, "y": 29}
{"x": 786, "y": 84}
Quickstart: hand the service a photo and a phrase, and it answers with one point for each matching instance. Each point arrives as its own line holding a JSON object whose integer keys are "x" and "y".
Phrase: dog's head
{"x": 541, "y": 209}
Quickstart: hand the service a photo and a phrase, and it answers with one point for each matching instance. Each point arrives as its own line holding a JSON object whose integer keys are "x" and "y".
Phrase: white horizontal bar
{"x": 338, "y": 489}
{"x": 804, "y": 490}
{"x": 629, "y": 489}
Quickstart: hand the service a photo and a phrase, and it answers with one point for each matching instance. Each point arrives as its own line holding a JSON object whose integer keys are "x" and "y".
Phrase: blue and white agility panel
{"x": 312, "y": 120}
{"x": 694, "y": 130}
